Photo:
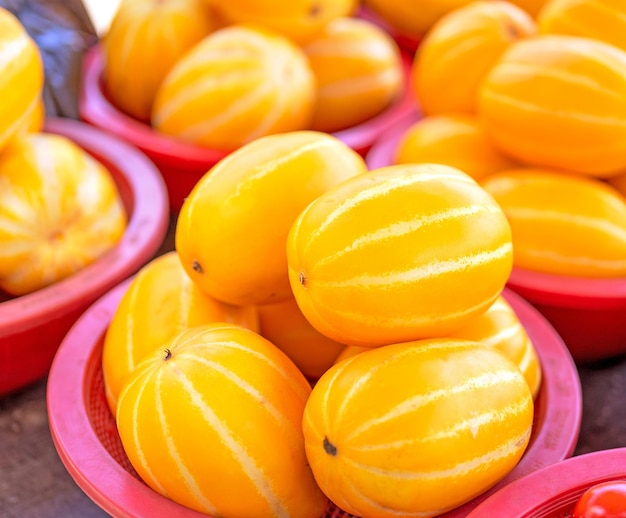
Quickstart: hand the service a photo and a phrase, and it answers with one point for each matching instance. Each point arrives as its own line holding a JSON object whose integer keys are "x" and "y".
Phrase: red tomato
{"x": 604, "y": 500}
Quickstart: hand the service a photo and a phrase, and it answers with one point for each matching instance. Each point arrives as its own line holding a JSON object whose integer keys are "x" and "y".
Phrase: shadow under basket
{"x": 85, "y": 435}
{"x": 182, "y": 163}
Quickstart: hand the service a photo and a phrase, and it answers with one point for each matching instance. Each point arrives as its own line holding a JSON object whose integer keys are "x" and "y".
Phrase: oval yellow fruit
{"x": 21, "y": 75}
{"x": 160, "y": 302}
{"x": 399, "y": 253}
{"x": 417, "y": 428}
{"x": 563, "y": 223}
{"x": 559, "y": 102}
{"x": 232, "y": 229}
{"x": 60, "y": 210}
{"x": 213, "y": 421}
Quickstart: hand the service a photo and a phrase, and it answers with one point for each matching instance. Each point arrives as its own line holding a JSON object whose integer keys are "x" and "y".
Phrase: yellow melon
{"x": 559, "y": 102}
{"x": 232, "y": 229}
{"x": 213, "y": 421}
{"x": 144, "y": 41}
{"x": 417, "y": 428}
{"x": 238, "y": 84}
{"x": 160, "y": 302}
{"x": 285, "y": 326}
{"x": 563, "y": 223}
{"x": 298, "y": 20}
{"x": 601, "y": 20}
{"x": 60, "y": 210}
{"x": 399, "y": 253}
{"x": 451, "y": 139}
{"x": 459, "y": 50}
{"x": 21, "y": 76}
{"x": 500, "y": 328}
{"x": 359, "y": 73}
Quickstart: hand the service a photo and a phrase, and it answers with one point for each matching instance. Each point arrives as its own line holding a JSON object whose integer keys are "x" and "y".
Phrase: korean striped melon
{"x": 563, "y": 223}
{"x": 416, "y": 428}
{"x": 285, "y": 326}
{"x": 498, "y": 327}
{"x": 460, "y": 49}
{"x": 232, "y": 229}
{"x": 144, "y": 41}
{"x": 602, "y": 20}
{"x": 452, "y": 139}
{"x": 359, "y": 73}
{"x": 21, "y": 76}
{"x": 236, "y": 85}
{"x": 213, "y": 420}
{"x": 559, "y": 101}
{"x": 160, "y": 302}
{"x": 60, "y": 210}
{"x": 298, "y": 20}
{"x": 399, "y": 253}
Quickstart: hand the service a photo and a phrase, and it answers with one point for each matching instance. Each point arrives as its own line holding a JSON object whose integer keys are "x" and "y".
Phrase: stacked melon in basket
{"x": 323, "y": 336}
{"x": 60, "y": 209}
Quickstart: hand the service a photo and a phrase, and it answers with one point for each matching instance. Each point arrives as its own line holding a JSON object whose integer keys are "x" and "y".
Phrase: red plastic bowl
{"x": 589, "y": 314}
{"x": 181, "y": 163}
{"x": 553, "y": 491}
{"x": 32, "y": 326}
{"x": 85, "y": 435}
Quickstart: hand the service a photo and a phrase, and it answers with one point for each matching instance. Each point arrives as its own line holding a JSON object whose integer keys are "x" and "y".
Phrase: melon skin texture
{"x": 416, "y": 429}
{"x": 400, "y": 253}
{"x": 212, "y": 421}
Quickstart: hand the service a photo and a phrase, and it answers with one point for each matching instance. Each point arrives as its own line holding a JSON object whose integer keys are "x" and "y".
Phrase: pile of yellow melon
{"x": 324, "y": 333}
{"x": 59, "y": 208}
{"x": 534, "y": 109}
{"x": 221, "y": 74}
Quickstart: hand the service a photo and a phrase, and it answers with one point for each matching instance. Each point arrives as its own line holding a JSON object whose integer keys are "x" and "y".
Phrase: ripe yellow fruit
{"x": 359, "y": 73}
{"x": 412, "y": 17}
{"x": 298, "y": 20}
{"x": 285, "y": 326}
{"x": 457, "y": 53}
{"x": 213, "y": 421}
{"x": 60, "y": 210}
{"x": 417, "y": 428}
{"x": 563, "y": 223}
{"x": 500, "y": 328}
{"x": 160, "y": 302}
{"x": 145, "y": 40}
{"x": 399, "y": 253}
{"x": 456, "y": 140}
{"x": 232, "y": 229}
{"x": 604, "y": 20}
{"x": 559, "y": 102}
{"x": 21, "y": 76}
{"x": 238, "y": 84}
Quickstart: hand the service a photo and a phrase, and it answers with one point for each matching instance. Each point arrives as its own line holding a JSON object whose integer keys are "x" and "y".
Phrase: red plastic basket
{"x": 553, "y": 491}
{"x": 32, "y": 326}
{"x": 85, "y": 435}
{"x": 588, "y": 314}
{"x": 181, "y": 163}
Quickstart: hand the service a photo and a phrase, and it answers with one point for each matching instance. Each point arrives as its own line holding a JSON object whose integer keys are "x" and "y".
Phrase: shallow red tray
{"x": 588, "y": 313}
{"x": 32, "y": 326}
{"x": 181, "y": 163}
{"x": 85, "y": 435}
{"x": 553, "y": 491}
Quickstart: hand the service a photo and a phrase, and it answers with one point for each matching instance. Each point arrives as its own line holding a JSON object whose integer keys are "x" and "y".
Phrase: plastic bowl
{"x": 553, "y": 491}
{"x": 85, "y": 435}
{"x": 181, "y": 163}
{"x": 32, "y": 326}
{"x": 588, "y": 314}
